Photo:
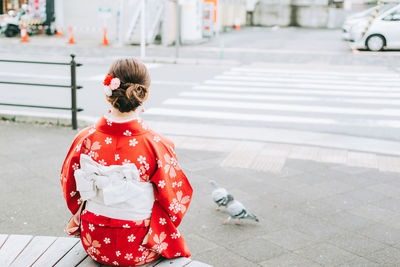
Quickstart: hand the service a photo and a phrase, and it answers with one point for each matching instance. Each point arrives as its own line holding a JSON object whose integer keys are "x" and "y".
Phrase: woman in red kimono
{"x": 126, "y": 179}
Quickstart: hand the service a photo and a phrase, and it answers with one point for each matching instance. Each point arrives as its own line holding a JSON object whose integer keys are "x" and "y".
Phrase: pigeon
{"x": 237, "y": 210}
{"x": 219, "y": 194}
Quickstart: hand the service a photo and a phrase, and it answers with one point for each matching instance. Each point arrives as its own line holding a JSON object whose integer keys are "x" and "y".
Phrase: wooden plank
{"x": 73, "y": 257}
{"x": 14, "y": 245}
{"x": 198, "y": 264}
{"x": 33, "y": 250}
{"x": 56, "y": 251}
{"x": 88, "y": 262}
{"x": 3, "y": 239}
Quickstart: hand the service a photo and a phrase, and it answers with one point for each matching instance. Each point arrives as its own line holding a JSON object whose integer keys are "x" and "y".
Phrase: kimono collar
{"x": 128, "y": 128}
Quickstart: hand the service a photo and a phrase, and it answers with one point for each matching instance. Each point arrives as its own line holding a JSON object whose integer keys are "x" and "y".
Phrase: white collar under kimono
{"x": 114, "y": 191}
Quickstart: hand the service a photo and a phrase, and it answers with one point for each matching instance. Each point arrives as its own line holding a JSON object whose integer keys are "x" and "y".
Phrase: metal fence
{"x": 74, "y": 109}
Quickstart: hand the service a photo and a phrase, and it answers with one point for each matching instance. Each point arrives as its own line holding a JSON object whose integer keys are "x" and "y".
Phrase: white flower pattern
{"x": 162, "y": 221}
{"x": 161, "y": 184}
{"x": 91, "y": 227}
{"x": 178, "y": 203}
{"x": 141, "y": 159}
{"x": 128, "y": 256}
{"x": 108, "y": 140}
{"x": 131, "y": 238}
{"x": 127, "y": 133}
{"x": 126, "y": 161}
{"x": 116, "y": 157}
{"x": 107, "y": 240}
{"x": 133, "y": 142}
{"x": 75, "y": 166}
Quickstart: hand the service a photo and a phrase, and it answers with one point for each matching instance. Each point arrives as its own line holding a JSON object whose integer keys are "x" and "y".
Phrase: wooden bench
{"x": 42, "y": 251}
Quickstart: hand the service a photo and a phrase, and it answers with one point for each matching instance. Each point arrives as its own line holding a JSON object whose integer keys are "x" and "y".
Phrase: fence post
{"x": 73, "y": 93}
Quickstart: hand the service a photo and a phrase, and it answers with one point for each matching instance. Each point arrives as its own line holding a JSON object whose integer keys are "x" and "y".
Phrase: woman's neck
{"x": 116, "y": 115}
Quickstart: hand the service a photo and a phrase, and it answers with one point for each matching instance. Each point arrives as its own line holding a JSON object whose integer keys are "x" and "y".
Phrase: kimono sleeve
{"x": 173, "y": 194}
{"x": 71, "y": 163}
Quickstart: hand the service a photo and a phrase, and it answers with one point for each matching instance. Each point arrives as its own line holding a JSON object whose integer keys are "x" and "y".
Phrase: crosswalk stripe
{"x": 282, "y": 107}
{"x": 368, "y": 74}
{"x": 295, "y": 91}
{"x": 309, "y": 81}
{"x": 190, "y": 113}
{"x": 235, "y": 116}
{"x": 313, "y": 77}
{"x": 298, "y": 85}
{"x": 373, "y": 101}
{"x": 248, "y": 96}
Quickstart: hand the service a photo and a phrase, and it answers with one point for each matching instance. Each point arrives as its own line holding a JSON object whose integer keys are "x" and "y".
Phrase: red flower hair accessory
{"x": 111, "y": 83}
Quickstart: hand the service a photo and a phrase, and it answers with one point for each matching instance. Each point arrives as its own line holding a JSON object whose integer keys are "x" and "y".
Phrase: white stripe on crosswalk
{"x": 303, "y": 86}
{"x": 190, "y": 113}
{"x": 311, "y": 76}
{"x": 248, "y": 96}
{"x": 295, "y": 91}
{"x": 282, "y": 107}
{"x": 310, "y": 81}
{"x": 372, "y": 101}
{"x": 268, "y": 70}
{"x": 235, "y": 116}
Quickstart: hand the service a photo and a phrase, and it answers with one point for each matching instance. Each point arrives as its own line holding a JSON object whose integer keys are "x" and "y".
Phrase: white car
{"x": 380, "y": 33}
{"x": 362, "y": 16}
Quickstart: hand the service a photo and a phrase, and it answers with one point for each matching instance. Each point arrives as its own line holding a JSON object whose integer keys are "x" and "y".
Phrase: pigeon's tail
{"x": 253, "y": 217}
{"x": 214, "y": 184}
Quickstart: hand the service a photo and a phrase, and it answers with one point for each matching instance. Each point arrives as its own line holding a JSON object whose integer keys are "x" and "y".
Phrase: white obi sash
{"x": 114, "y": 191}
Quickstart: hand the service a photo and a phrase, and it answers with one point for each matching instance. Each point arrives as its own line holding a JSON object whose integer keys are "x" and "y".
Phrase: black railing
{"x": 74, "y": 109}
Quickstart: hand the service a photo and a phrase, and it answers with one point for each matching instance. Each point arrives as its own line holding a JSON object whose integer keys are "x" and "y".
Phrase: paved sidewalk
{"x": 329, "y": 208}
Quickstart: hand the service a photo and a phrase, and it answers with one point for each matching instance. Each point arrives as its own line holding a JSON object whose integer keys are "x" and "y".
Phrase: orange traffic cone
{"x": 105, "y": 40}
{"x": 24, "y": 34}
{"x": 237, "y": 26}
{"x": 71, "y": 39}
{"x": 59, "y": 32}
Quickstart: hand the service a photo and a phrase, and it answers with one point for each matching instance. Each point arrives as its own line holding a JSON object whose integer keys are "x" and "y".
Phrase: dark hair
{"x": 134, "y": 87}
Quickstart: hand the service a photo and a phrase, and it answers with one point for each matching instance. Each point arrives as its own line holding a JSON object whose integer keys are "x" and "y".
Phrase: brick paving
{"x": 317, "y": 206}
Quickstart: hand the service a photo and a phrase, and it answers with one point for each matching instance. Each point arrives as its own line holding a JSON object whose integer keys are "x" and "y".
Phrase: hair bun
{"x": 136, "y": 91}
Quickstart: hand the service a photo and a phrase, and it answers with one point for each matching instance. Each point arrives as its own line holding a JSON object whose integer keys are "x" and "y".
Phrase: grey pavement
{"x": 312, "y": 213}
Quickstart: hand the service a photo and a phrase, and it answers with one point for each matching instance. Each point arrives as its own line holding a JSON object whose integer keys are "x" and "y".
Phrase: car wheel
{"x": 10, "y": 33}
{"x": 376, "y": 42}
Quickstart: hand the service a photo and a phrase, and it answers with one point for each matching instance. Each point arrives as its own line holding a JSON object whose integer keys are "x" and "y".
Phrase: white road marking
{"x": 309, "y": 81}
{"x": 248, "y": 96}
{"x": 311, "y": 76}
{"x": 282, "y": 107}
{"x": 295, "y": 91}
{"x": 268, "y": 70}
{"x": 303, "y": 86}
{"x": 235, "y": 116}
{"x": 372, "y": 101}
{"x": 220, "y": 115}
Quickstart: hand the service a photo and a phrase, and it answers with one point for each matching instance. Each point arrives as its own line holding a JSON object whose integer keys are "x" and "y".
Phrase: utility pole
{"x": 143, "y": 30}
{"x": 178, "y": 28}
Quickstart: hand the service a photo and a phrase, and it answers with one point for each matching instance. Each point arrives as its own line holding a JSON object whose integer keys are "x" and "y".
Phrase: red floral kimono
{"x": 125, "y": 242}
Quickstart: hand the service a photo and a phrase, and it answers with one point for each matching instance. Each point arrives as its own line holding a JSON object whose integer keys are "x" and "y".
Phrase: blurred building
{"x": 198, "y": 18}
{"x": 307, "y": 13}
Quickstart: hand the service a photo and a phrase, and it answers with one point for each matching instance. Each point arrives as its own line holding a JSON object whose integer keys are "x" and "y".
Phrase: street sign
{"x": 104, "y": 13}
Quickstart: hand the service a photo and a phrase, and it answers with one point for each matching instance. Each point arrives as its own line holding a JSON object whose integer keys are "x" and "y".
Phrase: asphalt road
{"x": 283, "y": 79}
